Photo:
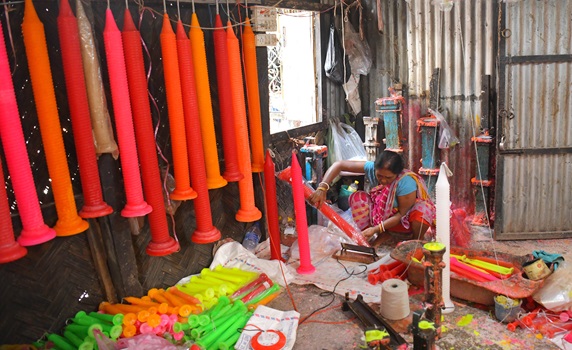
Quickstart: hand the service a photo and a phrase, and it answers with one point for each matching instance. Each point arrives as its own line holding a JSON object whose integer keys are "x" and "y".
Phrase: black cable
{"x": 332, "y": 293}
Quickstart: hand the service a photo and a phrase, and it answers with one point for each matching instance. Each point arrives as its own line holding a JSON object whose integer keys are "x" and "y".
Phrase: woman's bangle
{"x": 381, "y": 227}
{"x": 325, "y": 184}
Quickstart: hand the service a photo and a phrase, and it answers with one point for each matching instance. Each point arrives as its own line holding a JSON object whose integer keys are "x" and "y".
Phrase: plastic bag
{"x": 357, "y": 50}
{"x": 334, "y": 65}
{"x": 556, "y": 293}
{"x": 344, "y": 143}
{"x": 322, "y": 243}
{"x": 447, "y": 138}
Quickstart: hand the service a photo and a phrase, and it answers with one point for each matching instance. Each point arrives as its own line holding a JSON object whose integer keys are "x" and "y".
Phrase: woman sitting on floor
{"x": 398, "y": 202}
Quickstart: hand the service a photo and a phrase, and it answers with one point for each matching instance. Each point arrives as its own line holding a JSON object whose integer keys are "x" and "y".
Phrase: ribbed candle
{"x": 10, "y": 250}
{"x": 272, "y": 207}
{"x": 214, "y": 179}
{"x": 247, "y": 211}
{"x": 100, "y": 119}
{"x": 93, "y": 203}
{"x": 205, "y": 232}
{"x": 135, "y": 206}
{"x": 253, "y": 97}
{"x": 183, "y": 190}
{"x": 34, "y": 231}
{"x": 306, "y": 266}
{"x": 231, "y": 172}
{"x": 161, "y": 242}
{"x": 69, "y": 223}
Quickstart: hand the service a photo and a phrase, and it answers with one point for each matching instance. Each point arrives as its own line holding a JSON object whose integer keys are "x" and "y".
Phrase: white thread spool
{"x": 394, "y": 299}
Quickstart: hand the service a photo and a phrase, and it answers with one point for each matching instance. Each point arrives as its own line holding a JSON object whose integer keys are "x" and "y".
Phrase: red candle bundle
{"x": 272, "y": 207}
{"x": 231, "y": 172}
{"x": 10, "y": 250}
{"x": 161, "y": 242}
{"x": 183, "y": 190}
{"x": 69, "y": 223}
{"x": 205, "y": 232}
{"x": 135, "y": 206}
{"x": 34, "y": 231}
{"x": 248, "y": 211}
{"x": 306, "y": 266}
{"x": 253, "y": 95}
{"x": 94, "y": 205}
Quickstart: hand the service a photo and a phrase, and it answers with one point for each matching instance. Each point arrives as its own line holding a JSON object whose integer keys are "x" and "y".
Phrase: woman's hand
{"x": 318, "y": 197}
{"x": 369, "y": 232}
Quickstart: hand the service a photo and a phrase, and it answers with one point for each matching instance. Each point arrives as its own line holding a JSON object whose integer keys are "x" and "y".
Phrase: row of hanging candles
{"x": 122, "y": 108}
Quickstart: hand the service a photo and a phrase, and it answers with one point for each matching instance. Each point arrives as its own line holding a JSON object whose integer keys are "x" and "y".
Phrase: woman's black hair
{"x": 391, "y": 161}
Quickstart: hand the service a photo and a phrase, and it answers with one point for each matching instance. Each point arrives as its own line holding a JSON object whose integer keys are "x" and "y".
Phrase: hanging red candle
{"x": 69, "y": 222}
{"x": 247, "y": 211}
{"x": 306, "y": 266}
{"x": 136, "y": 205}
{"x": 214, "y": 179}
{"x": 100, "y": 119}
{"x": 93, "y": 204}
{"x": 161, "y": 242}
{"x": 231, "y": 172}
{"x": 205, "y": 232}
{"x": 253, "y": 97}
{"x": 34, "y": 231}
{"x": 183, "y": 190}
{"x": 272, "y": 207}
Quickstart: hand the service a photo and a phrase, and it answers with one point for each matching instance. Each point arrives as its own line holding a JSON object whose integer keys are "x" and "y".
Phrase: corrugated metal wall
{"x": 535, "y": 83}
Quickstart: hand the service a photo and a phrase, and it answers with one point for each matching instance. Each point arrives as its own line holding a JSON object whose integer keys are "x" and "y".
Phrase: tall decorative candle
{"x": 306, "y": 266}
{"x": 272, "y": 207}
{"x": 443, "y": 208}
{"x": 10, "y": 250}
{"x": 93, "y": 203}
{"x": 214, "y": 179}
{"x": 231, "y": 172}
{"x": 100, "y": 119}
{"x": 247, "y": 211}
{"x": 34, "y": 231}
{"x": 135, "y": 206}
{"x": 69, "y": 223}
{"x": 183, "y": 190}
{"x": 206, "y": 232}
{"x": 253, "y": 95}
{"x": 161, "y": 242}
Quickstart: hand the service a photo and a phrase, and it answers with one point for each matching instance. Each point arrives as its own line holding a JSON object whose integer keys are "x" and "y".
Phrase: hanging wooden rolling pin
{"x": 69, "y": 223}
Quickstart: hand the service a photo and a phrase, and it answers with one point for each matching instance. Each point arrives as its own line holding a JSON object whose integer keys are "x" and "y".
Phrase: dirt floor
{"x": 469, "y": 326}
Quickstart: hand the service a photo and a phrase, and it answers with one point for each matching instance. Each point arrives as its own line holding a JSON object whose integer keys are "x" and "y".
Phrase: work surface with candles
{"x": 469, "y": 326}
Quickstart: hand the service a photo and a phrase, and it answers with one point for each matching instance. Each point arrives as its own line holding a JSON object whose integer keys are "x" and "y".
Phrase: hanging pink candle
{"x": 253, "y": 96}
{"x": 272, "y": 207}
{"x": 69, "y": 223}
{"x": 93, "y": 205}
{"x": 135, "y": 206}
{"x": 306, "y": 266}
{"x": 214, "y": 179}
{"x": 231, "y": 171}
{"x": 10, "y": 250}
{"x": 161, "y": 242}
{"x": 247, "y": 211}
{"x": 34, "y": 231}
{"x": 205, "y": 232}
{"x": 183, "y": 190}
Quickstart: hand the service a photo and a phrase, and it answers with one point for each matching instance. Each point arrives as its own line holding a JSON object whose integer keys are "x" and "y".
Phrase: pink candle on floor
{"x": 306, "y": 266}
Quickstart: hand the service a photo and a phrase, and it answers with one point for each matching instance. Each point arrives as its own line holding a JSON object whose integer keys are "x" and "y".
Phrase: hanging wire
{"x": 193, "y": 5}
{"x": 127, "y": 4}
{"x": 178, "y": 10}
{"x": 216, "y": 4}
{"x": 164, "y": 6}
{"x": 108, "y": 6}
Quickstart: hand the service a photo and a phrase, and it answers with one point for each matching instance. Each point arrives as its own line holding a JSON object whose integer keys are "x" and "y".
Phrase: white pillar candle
{"x": 443, "y": 204}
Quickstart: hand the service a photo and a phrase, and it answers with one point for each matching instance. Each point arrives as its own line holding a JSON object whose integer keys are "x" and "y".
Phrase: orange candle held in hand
{"x": 253, "y": 96}
{"x": 247, "y": 211}
{"x": 183, "y": 190}
{"x": 69, "y": 223}
{"x": 214, "y": 179}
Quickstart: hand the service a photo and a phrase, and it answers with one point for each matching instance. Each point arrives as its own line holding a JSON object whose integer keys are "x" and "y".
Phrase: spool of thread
{"x": 394, "y": 299}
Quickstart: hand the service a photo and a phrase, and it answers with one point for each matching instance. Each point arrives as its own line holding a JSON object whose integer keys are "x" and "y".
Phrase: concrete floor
{"x": 335, "y": 329}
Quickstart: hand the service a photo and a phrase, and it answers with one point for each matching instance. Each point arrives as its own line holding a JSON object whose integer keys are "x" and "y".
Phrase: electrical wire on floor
{"x": 332, "y": 292}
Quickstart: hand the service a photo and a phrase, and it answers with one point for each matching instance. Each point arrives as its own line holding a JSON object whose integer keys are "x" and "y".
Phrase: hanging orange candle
{"x": 253, "y": 96}
{"x": 214, "y": 179}
{"x": 247, "y": 211}
{"x": 69, "y": 223}
{"x": 183, "y": 190}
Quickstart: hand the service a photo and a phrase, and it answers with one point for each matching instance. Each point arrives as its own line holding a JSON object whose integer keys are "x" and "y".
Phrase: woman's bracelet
{"x": 323, "y": 184}
{"x": 381, "y": 227}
